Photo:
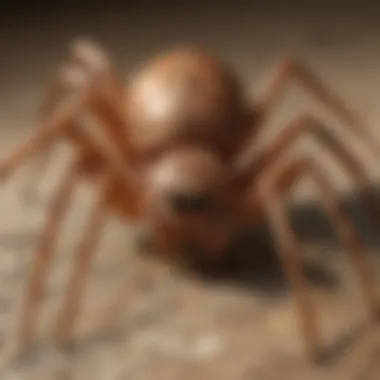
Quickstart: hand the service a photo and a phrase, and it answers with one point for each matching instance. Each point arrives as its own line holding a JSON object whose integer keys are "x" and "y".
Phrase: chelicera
{"x": 166, "y": 156}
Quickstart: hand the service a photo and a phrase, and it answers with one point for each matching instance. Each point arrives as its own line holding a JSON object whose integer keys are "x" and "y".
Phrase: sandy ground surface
{"x": 171, "y": 325}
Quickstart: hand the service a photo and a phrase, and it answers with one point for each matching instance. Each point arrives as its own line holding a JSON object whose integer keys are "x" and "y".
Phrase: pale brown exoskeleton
{"x": 167, "y": 156}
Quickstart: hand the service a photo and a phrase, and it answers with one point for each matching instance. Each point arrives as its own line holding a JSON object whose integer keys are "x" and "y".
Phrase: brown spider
{"x": 166, "y": 155}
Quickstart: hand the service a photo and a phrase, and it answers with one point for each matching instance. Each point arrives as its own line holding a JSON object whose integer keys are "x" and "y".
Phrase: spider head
{"x": 187, "y": 183}
{"x": 189, "y": 189}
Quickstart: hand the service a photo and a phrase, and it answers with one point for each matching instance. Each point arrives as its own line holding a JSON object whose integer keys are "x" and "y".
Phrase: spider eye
{"x": 190, "y": 203}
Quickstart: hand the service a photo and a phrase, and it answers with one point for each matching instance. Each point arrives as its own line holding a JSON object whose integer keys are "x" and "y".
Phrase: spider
{"x": 165, "y": 155}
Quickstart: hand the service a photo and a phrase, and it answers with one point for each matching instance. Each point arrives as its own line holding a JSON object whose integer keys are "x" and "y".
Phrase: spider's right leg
{"x": 66, "y": 79}
{"x": 53, "y": 127}
{"x": 96, "y": 61}
{"x": 29, "y": 188}
{"x": 90, "y": 67}
{"x": 276, "y": 182}
{"x": 87, "y": 61}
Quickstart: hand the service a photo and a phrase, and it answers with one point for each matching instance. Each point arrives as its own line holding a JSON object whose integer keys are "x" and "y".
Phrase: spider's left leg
{"x": 306, "y": 125}
{"x": 273, "y": 185}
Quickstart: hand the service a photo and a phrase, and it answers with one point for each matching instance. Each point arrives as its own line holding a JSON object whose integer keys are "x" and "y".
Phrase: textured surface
{"x": 175, "y": 326}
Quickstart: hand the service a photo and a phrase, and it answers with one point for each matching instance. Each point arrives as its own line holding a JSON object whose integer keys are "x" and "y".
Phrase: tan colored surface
{"x": 176, "y": 327}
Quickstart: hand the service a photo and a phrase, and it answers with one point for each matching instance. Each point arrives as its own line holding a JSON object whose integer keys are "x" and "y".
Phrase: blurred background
{"x": 239, "y": 325}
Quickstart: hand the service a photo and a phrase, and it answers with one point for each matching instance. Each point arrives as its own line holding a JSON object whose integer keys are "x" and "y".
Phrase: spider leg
{"x": 85, "y": 251}
{"x": 84, "y": 254}
{"x": 297, "y": 129}
{"x": 34, "y": 176}
{"x": 44, "y": 255}
{"x": 87, "y": 61}
{"x": 83, "y": 259}
{"x": 66, "y": 78}
{"x": 290, "y": 69}
{"x": 62, "y": 121}
{"x": 92, "y": 56}
{"x": 56, "y": 125}
{"x": 275, "y": 182}
{"x": 107, "y": 97}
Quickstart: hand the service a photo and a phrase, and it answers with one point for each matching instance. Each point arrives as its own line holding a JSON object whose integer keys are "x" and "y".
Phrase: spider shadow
{"x": 254, "y": 265}
{"x": 253, "y": 262}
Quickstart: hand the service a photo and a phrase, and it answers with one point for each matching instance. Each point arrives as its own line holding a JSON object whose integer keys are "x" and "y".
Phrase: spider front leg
{"x": 44, "y": 255}
{"x": 65, "y": 79}
{"x": 96, "y": 60}
{"x": 52, "y": 128}
{"x": 274, "y": 184}
{"x": 83, "y": 257}
{"x": 41, "y": 262}
{"x": 87, "y": 62}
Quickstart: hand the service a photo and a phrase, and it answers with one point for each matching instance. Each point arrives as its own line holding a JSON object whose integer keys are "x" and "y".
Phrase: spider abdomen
{"x": 186, "y": 95}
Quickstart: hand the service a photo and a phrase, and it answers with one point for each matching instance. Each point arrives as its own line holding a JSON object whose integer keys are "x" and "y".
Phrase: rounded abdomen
{"x": 184, "y": 96}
